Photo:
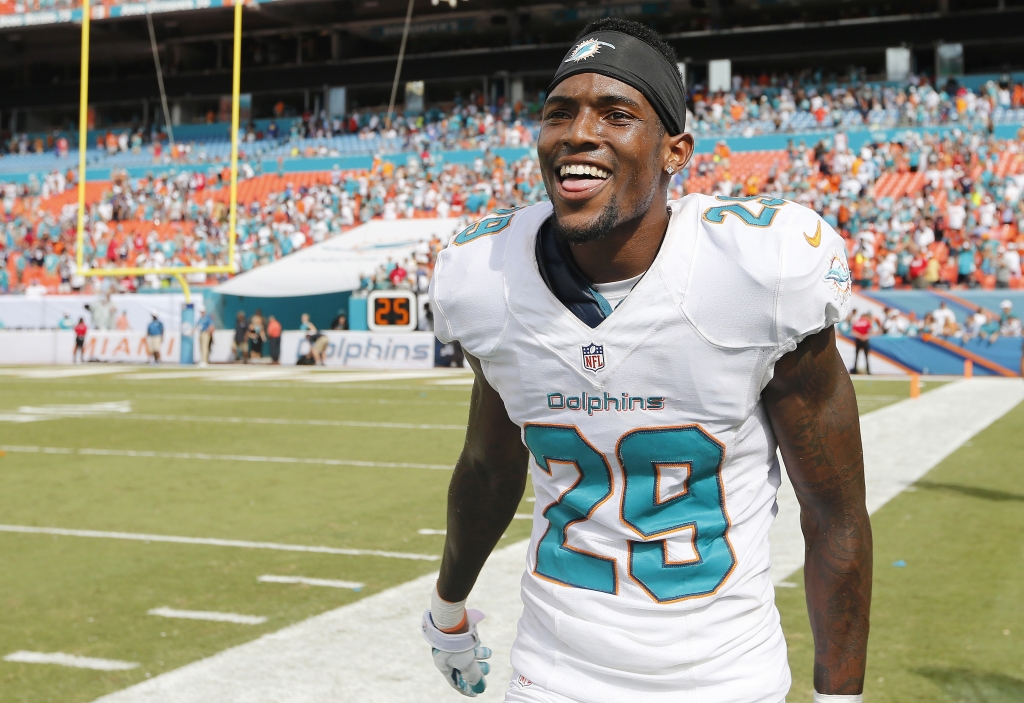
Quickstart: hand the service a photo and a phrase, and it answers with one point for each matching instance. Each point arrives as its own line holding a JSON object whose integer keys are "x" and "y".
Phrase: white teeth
{"x": 583, "y": 170}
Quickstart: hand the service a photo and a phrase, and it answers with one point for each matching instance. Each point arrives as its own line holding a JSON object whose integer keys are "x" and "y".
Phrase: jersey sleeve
{"x": 467, "y": 291}
{"x": 815, "y": 285}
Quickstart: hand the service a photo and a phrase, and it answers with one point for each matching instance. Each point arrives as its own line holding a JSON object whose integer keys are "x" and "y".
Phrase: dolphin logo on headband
{"x": 585, "y": 49}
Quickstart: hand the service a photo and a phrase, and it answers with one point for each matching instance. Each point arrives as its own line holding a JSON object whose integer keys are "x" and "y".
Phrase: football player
{"x": 643, "y": 360}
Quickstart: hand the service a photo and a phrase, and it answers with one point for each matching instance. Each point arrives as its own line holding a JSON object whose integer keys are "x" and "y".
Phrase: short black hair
{"x": 638, "y": 30}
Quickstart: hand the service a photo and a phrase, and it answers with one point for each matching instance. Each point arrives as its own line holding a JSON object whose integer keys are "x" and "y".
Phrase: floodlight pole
{"x": 160, "y": 77}
{"x": 83, "y": 132}
{"x": 398, "y": 68}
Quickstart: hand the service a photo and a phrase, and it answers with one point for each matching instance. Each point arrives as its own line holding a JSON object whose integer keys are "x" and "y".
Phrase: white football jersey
{"x": 652, "y": 457}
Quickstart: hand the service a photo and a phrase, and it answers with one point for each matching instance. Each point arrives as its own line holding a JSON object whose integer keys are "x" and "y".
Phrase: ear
{"x": 678, "y": 150}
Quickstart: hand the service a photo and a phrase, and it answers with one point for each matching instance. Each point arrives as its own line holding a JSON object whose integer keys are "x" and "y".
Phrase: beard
{"x": 592, "y": 231}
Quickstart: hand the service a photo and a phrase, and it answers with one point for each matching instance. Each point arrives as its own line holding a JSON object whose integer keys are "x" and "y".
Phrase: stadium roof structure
{"x": 305, "y": 46}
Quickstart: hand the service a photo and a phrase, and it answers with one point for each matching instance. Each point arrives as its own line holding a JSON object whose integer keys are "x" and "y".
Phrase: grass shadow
{"x": 967, "y": 686}
{"x": 972, "y": 492}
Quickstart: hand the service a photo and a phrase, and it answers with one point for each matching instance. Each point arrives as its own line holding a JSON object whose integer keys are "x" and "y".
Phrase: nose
{"x": 583, "y": 129}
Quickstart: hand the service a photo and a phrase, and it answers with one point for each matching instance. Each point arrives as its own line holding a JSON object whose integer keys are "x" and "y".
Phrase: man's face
{"x": 602, "y": 153}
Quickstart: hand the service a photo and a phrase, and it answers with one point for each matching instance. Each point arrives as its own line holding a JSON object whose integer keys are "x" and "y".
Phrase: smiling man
{"x": 643, "y": 360}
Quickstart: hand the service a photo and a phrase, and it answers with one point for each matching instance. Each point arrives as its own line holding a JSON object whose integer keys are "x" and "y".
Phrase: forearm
{"x": 825, "y": 449}
{"x": 481, "y": 504}
{"x": 813, "y": 408}
{"x": 485, "y": 490}
{"x": 837, "y": 576}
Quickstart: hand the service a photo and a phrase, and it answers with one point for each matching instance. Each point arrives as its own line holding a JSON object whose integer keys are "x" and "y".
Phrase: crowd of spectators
{"x": 925, "y": 211}
{"x": 984, "y": 325}
{"x": 770, "y": 103}
{"x": 756, "y": 105}
{"x": 182, "y": 220}
{"x": 922, "y": 210}
{"x": 458, "y": 126}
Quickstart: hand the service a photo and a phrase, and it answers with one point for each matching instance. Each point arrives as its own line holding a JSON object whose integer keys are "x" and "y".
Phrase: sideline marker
{"x": 915, "y": 386}
{"x": 968, "y": 368}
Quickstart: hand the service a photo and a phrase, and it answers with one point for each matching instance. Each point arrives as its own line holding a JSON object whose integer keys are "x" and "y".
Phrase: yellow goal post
{"x": 177, "y": 272}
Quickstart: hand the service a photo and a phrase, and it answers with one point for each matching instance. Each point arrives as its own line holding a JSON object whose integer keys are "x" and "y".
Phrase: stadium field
{"x": 131, "y": 490}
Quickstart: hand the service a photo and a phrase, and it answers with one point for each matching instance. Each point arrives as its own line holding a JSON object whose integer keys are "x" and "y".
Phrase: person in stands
{"x": 155, "y": 338}
{"x": 274, "y": 339}
{"x": 80, "y": 330}
{"x": 862, "y": 341}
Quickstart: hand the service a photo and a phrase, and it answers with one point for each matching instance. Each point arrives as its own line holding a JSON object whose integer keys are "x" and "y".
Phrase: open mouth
{"x": 579, "y": 178}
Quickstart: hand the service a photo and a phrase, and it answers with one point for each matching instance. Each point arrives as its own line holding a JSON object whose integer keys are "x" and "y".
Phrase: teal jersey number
{"x": 643, "y": 455}
{"x": 485, "y": 227}
{"x": 769, "y": 209}
{"x": 698, "y": 506}
{"x": 556, "y": 560}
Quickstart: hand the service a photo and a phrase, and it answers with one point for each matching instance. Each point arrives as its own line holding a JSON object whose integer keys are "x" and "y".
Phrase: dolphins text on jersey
{"x": 653, "y": 461}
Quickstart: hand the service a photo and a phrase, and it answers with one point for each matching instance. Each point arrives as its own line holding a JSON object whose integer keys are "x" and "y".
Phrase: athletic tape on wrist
{"x": 446, "y": 616}
{"x": 826, "y": 698}
{"x": 459, "y": 642}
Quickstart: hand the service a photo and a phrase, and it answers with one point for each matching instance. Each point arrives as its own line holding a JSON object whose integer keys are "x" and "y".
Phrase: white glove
{"x": 459, "y": 656}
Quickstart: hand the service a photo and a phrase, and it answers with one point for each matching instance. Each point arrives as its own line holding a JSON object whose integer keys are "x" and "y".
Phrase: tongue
{"x": 578, "y": 184}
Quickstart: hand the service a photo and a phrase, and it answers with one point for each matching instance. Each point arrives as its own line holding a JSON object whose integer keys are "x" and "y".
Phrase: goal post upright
{"x": 83, "y": 132}
{"x": 83, "y": 125}
{"x": 236, "y": 84}
{"x": 177, "y": 272}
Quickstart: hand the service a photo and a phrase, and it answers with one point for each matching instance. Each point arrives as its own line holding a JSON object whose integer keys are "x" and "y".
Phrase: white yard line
{"x": 208, "y": 419}
{"x": 234, "y": 398}
{"x": 428, "y": 531}
{"x": 235, "y": 374}
{"x": 306, "y": 581}
{"x": 199, "y": 456}
{"x": 214, "y": 542}
{"x": 210, "y": 615}
{"x": 325, "y": 659}
{"x": 357, "y": 377}
{"x": 61, "y": 659}
{"x": 61, "y": 372}
{"x": 79, "y": 410}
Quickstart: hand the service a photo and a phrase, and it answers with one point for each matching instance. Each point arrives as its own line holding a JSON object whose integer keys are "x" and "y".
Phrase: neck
{"x": 626, "y": 251}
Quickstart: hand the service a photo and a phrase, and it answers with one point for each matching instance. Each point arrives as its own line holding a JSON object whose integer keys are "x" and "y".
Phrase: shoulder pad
{"x": 467, "y": 291}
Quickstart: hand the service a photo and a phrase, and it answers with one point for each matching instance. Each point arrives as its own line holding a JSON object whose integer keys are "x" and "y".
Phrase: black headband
{"x": 634, "y": 62}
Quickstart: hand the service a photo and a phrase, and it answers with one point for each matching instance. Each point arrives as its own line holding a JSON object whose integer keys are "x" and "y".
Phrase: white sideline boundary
{"x": 902, "y": 442}
{"x": 371, "y": 651}
{"x": 212, "y": 542}
{"x": 62, "y": 659}
{"x": 198, "y": 456}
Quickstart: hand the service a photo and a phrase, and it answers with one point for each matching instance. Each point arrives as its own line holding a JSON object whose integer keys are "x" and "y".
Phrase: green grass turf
{"x": 90, "y": 596}
{"x": 949, "y": 626}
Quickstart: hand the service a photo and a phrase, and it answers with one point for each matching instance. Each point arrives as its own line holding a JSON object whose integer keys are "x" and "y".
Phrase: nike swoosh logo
{"x": 816, "y": 239}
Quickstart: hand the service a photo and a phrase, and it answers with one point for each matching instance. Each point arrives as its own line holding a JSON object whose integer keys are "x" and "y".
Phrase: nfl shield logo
{"x": 593, "y": 357}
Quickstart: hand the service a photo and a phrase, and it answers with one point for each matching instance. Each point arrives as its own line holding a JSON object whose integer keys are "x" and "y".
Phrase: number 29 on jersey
{"x": 643, "y": 454}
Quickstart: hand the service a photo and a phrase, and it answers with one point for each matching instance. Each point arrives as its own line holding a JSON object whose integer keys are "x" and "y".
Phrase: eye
{"x": 558, "y": 114}
{"x": 619, "y": 116}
